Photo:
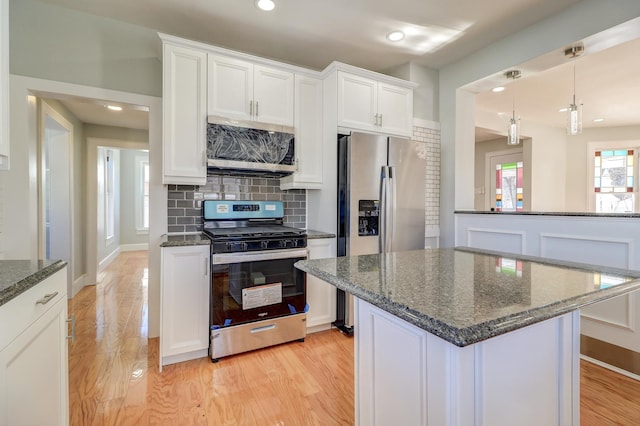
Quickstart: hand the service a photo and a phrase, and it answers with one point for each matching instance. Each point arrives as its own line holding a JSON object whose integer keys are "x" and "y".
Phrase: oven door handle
{"x": 228, "y": 258}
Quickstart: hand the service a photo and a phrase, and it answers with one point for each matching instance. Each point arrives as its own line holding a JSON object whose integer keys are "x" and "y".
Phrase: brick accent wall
{"x": 185, "y": 201}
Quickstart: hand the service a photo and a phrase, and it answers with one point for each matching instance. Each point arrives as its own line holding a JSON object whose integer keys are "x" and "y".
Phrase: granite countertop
{"x": 18, "y": 276}
{"x": 465, "y": 295}
{"x": 312, "y": 234}
{"x": 185, "y": 239}
{"x": 584, "y": 214}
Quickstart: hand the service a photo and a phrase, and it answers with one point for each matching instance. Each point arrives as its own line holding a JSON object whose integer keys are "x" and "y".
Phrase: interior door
{"x": 508, "y": 181}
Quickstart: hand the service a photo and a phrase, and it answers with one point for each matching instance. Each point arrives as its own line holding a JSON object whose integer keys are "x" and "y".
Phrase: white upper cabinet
{"x": 245, "y": 91}
{"x": 184, "y": 82}
{"x": 371, "y": 105}
{"x": 357, "y": 102}
{"x": 4, "y": 84}
{"x": 395, "y": 109}
{"x": 308, "y": 135}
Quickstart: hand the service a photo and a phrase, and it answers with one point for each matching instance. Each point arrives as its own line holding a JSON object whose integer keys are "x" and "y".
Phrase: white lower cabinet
{"x": 321, "y": 296}
{"x": 34, "y": 378}
{"x": 184, "y": 303}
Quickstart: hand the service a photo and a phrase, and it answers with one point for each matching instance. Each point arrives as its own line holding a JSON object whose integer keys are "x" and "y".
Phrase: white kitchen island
{"x": 467, "y": 337}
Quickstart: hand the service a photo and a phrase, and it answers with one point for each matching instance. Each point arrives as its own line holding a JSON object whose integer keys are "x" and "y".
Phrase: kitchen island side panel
{"x": 405, "y": 375}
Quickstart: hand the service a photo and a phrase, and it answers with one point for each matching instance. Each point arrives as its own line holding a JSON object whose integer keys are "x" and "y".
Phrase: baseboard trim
{"x": 134, "y": 247}
{"x": 610, "y": 354}
{"x": 78, "y": 285}
{"x": 108, "y": 259}
{"x": 610, "y": 367}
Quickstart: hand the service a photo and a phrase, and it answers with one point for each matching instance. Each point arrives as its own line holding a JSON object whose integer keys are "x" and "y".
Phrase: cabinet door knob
{"x": 251, "y": 108}
{"x": 380, "y": 115}
{"x": 47, "y": 298}
{"x": 256, "y": 108}
{"x": 376, "y": 119}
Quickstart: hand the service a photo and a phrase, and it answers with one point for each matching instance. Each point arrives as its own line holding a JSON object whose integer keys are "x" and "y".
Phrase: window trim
{"x": 140, "y": 162}
{"x": 592, "y": 147}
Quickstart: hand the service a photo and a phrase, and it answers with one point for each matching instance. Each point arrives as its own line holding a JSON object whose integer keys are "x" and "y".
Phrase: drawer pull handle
{"x": 263, "y": 328}
{"x": 72, "y": 320}
{"x": 47, "y": 298}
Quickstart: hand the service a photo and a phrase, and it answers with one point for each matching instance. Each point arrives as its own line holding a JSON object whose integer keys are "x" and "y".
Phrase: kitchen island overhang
{"x": 463, "y": 336}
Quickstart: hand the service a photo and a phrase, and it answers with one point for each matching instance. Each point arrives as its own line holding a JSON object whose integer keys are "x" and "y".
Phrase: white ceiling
{"x": 315, "y": 33}
{"x": 94, "y": 111}
{"x": 607, "y": 85}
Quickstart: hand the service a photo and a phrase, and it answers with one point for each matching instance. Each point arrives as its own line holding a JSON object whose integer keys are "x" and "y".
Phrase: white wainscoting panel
{"x": 614, "y": 252}
{"x": 607, "y": 241}
{"x": 496, "y": 239}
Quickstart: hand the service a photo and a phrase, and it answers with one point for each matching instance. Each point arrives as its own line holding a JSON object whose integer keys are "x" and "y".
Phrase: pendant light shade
{"x": 513, "y": 132}
{"x": 513, "y": 137}
{"x": 574, "y": 118}
{"x": 574, "y": 111}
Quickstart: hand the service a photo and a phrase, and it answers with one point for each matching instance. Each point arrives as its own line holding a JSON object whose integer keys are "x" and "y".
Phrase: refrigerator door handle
{"x": 382, "y": 210}
{"x": 391, "y": 213}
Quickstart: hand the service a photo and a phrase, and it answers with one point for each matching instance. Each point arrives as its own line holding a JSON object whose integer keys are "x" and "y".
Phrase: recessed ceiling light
{"x": 598, "y": 120}
{"x": 265, "y": 4}
{"x": 114, "y": 107}
{"x": 395, "y": 36}
{"x": 498, "y": 89}
{"x": 563, "y": 110}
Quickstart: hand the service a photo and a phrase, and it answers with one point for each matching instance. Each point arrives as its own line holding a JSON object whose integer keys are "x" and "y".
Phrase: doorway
{"x": 56, "y": 219}
{"x": 505, "y": 175}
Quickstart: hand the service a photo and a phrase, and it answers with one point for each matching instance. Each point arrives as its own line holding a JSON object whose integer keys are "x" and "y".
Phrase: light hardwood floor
{"x": 114, "y": 378}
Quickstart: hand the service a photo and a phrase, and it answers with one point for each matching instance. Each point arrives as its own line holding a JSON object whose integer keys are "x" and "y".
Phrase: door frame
{"x": 490, "y": 174}
{"x": 92, "y": 196}
{"x": 23, "y": 214}
{"x": 45, "y": 110}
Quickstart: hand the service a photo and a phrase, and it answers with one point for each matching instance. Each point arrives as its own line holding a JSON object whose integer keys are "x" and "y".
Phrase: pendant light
{"x": 574, "y": 112}
{"x": 513, "y": 133}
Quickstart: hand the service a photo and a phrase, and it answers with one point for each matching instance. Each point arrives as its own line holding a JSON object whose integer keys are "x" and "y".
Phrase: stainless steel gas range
{"x": 258, "y": 298}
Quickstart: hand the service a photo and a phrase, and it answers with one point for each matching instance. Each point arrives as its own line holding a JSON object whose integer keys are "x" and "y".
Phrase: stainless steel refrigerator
{"x": 381, "y": 186}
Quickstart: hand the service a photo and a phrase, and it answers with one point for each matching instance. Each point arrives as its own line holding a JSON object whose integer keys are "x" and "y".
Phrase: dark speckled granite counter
{"x": 578, "y": 214}
{"x": 312, "y": 234}
{"x": 466, "y": 296}
{"x": 186, "y": 239}
{"x": 18, "y": 276}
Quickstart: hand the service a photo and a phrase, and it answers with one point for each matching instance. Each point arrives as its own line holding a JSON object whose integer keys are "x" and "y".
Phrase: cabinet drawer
{"x": 17, "y": 314}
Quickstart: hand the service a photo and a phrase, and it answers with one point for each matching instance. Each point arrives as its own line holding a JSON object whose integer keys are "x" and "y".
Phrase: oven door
{"x": 252, "y": 286}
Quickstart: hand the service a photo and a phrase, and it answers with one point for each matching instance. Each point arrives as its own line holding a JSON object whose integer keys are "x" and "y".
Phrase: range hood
{"x": 238, "y": 146}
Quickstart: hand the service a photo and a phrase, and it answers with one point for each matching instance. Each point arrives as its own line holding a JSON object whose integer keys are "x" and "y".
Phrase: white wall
{"x": 584, "y": 19}
{"x": 55, "y": 43}
{"x": 425, "y": 96}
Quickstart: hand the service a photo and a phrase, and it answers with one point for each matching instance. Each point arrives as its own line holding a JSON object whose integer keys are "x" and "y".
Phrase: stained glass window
{"x": 614, "y": 181}
{"x": 509, "y": 194}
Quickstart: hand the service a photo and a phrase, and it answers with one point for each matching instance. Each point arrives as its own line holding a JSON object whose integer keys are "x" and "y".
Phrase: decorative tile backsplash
{"x": 185, "y": 201}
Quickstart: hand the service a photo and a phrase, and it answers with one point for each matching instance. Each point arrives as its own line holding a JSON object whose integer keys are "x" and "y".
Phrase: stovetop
{"x": 255, "y": 231}
{"x": 237, "y": 226}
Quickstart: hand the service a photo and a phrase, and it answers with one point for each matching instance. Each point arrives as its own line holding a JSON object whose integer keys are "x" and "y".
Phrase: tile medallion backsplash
{"x": 185, "y": 201}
